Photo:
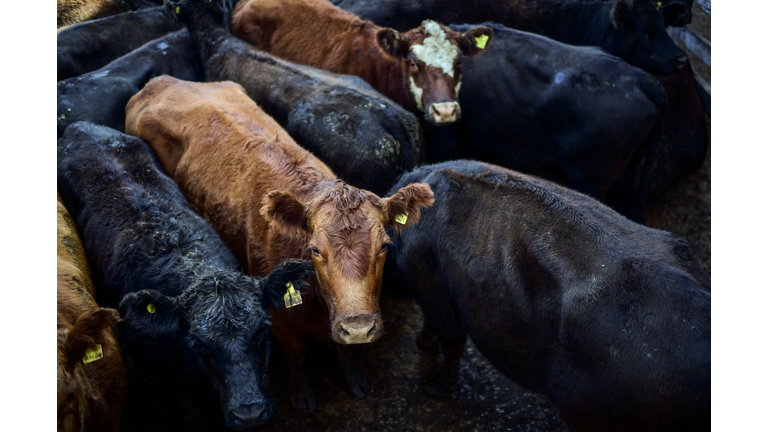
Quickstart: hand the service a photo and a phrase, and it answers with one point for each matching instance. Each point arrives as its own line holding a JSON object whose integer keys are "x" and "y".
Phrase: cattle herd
{"x": 234, "y": 175}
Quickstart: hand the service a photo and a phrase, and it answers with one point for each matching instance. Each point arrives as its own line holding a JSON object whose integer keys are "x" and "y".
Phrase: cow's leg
{"x": 351, "y": 371}
{"x": 295, "y": 348}
{"x": 441, "y": 325}
{"x": 302, "y": 395}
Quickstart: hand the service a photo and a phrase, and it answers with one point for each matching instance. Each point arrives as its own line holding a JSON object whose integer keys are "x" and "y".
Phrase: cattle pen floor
{"x": 484, "y": 399}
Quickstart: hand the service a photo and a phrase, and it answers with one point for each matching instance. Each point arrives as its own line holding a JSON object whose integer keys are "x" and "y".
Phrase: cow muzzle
{"x": 444, "y": 112}
{"x": 248, "y": 415}
{"x": 358, "y": 329}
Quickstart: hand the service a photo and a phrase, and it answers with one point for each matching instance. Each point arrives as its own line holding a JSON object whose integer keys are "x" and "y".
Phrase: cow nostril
{"x": 370, "y": 332}
{"x": 344, "y": 332}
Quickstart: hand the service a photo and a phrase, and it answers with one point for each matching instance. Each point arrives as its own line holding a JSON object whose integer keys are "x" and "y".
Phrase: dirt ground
{"x": 484, "y": 399}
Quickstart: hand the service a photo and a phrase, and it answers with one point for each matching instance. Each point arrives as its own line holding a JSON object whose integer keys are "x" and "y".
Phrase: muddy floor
{"x": 484, "y": 400}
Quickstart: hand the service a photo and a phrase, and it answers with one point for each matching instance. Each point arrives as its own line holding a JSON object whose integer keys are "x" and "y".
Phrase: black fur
{"x": 146, "y": 245}
{"x": 100, "y": 96}
{"x": 87, "y": 46}
{"x": 575, "y": 115}
{"x": 641, "y": 40}
{"x": 609, "y": 319}
{"x": 366, "y": 139}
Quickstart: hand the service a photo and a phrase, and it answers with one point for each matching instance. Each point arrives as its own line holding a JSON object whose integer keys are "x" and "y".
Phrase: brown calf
{"x": 270, "y": 200}
{"x": 90, "y": 389}
{"x": 419, "y": 69}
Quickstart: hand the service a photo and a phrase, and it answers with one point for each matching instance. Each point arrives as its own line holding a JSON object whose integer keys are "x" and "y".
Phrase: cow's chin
{"x": 357, "y": 329}
{"x": 443, "y": 113}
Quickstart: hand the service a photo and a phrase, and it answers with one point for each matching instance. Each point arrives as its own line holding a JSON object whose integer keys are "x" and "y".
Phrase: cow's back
{"x": 565, "y": 296}
{"x": 290, "y": 30}
{"x": 211, "y": 136}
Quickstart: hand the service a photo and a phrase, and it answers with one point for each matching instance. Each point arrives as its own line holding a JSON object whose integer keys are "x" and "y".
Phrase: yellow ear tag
{"x": 292, "y": 297}
{"x": 93, "y": 354}
{"x": 178, "y": 10}
{"x": 658, "y": 5}
{"x": 481, "y": 41}
{"x": 151, "y": 308}
{"x": 402, "y": 218}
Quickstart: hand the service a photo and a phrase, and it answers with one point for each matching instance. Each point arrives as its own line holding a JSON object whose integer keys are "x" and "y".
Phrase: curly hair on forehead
{"x": 347, "y": 204}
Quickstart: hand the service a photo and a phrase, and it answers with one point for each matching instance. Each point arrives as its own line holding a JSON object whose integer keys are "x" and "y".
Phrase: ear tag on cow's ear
{"x": 402, "y": 218}
{"x": 151, "y": 308}
{"x": 292, "y": 297}
{"x": 481, "y": 41}
{"x": 658, "y": 5}
{"x": 93, "y": 354}
{"x": 178, "y": 10}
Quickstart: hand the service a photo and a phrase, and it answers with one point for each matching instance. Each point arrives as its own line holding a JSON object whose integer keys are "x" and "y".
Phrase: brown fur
{"x": 90, "y": 396}
{"x": 268, "y": 198}
{"x": 70, "y": 12}
{"x": 319, "y": 34}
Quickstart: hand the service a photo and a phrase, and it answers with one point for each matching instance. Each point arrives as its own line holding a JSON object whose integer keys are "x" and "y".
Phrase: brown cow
{"x": 90, "y": 389}
{"x": 419, "y": 69}
{"x": 271, "y": 200}
{"x": 70, "y": 12}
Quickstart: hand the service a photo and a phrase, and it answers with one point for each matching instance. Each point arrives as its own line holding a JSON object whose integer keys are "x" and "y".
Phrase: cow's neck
{"x": 207, "y": 34}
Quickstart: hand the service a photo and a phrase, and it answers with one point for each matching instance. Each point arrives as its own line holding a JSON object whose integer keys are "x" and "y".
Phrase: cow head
{"x": 431, "y": 55}
{"x": 79, "y": 382}
{"x": 217, "y": 326}
{"x": 344, "y": 228}
{"x": 640, "y": 37}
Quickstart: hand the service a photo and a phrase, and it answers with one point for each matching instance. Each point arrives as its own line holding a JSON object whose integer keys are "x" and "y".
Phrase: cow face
{"x": 345, "y": 236}
{"x": 215, "y": 330}
{"x": 80, "y": 396}
{"x": 431, "y": 55}
{"x": 640, "y": 37}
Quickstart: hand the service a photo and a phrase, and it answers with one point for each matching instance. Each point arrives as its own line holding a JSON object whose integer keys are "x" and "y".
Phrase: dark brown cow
{"x": 90, "y": 389}
{"x": 270, "y": 200}
{"x": 419, "y": 69}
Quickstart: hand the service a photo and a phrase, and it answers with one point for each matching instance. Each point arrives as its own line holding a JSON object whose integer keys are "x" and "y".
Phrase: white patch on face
{"x": 437, "y": 51}
{"x": 458, "y": 86}
{"x": 416, "y": 92}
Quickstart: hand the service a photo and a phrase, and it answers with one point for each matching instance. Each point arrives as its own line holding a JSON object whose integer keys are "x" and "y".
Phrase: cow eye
{"x": 315, "y": 251}
{"x": 413, "y": 64}
{"x": 384, "y": 247}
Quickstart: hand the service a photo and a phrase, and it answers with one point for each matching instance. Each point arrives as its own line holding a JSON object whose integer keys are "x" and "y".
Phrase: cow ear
{"x": 89, "y": 330}
{"x": 620, "y": 14}
{"x": 275, "y": 285}
{"x": 284, "y": 211}
{"x": 149, "y": 312}
{"x": 475, "y": 40}
{"x": 404, "y": 207}
{"x": 392, "y": 43}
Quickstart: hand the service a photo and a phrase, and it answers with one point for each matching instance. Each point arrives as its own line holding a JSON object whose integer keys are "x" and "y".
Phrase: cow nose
{"x": 249, "y": 415}
{"x": 360, "y": 329}
{"x": 445, "y": 112}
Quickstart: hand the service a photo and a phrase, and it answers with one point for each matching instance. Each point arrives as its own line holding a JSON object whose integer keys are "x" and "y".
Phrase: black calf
{"x": 189, "y": 311}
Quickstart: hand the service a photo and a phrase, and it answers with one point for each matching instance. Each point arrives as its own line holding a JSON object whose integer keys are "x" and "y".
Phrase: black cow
{"x": 100, "y": 96}
{"x": 366, "y": 139}
{"x": 189, "y": 311}
{"x": 87, "y": 46}
{"x": 571, "y": 114}
{"x": 630, "y": 29}
{"x": 609, "y": 319}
